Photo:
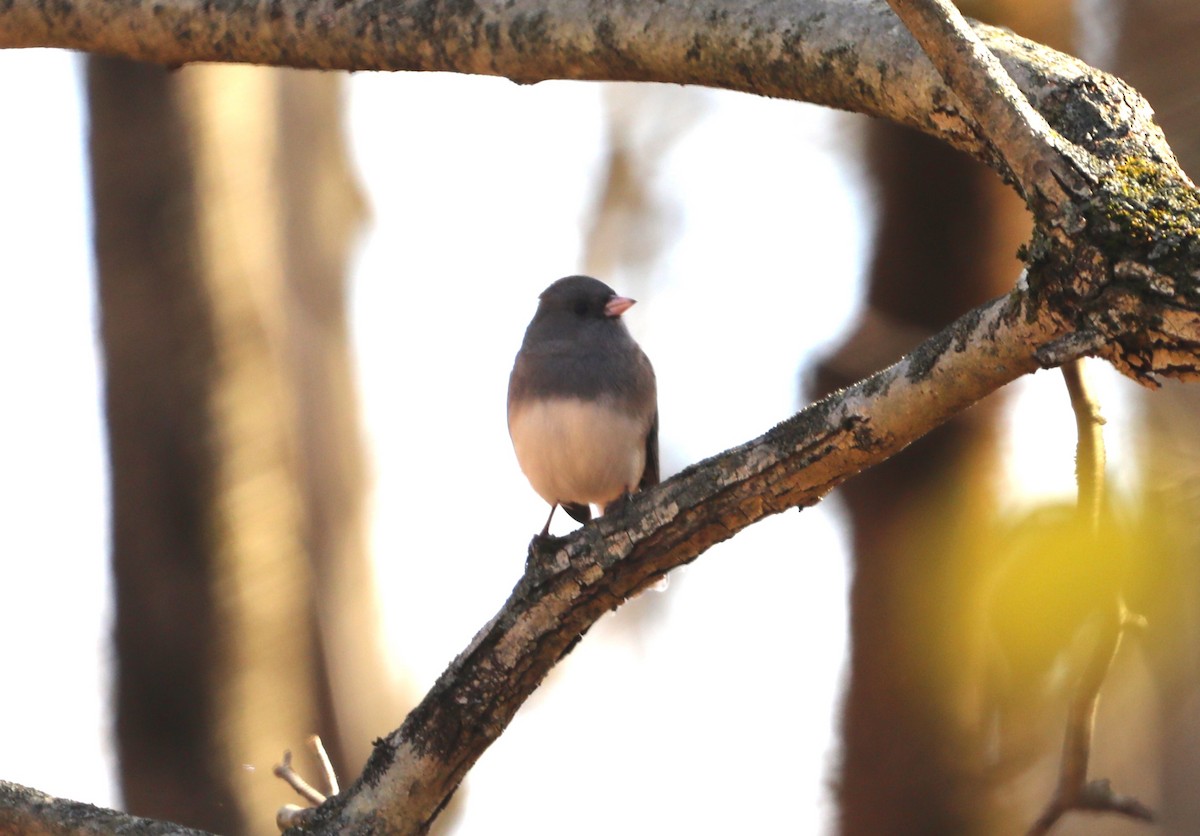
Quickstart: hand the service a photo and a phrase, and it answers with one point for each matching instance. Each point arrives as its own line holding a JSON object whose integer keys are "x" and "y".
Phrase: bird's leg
{"x": 546, "y": 527}
{"x": 543, "y": 546}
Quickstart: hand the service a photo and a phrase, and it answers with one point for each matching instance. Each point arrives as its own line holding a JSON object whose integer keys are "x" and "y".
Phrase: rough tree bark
{"x": 1111, "y": 270}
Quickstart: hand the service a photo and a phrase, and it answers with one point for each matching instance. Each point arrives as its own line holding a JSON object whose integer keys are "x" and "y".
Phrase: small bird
{"x": 582, "y": 401}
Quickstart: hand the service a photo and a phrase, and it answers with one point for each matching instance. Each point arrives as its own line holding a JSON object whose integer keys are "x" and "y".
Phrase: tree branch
{"x": 848, "y": 54}
{"x": 1073, "y": 791}
{"x": 1089, "y": 446}
{"x": 31, "y": 813}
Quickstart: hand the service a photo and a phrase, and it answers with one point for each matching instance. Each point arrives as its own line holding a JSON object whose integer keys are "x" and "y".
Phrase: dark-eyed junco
{"x": 582, "y": 401}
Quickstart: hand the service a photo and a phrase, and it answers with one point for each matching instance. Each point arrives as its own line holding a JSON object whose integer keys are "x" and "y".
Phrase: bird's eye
{"x": 581, "y": 307}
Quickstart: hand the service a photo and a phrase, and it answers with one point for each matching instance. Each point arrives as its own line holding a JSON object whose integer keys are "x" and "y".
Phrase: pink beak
{"x": 618, "y": 305}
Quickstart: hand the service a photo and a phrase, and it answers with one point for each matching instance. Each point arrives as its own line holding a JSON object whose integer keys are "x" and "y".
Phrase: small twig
{"x": 306, "y": 790}
{"x": 1074, "y": 792}
{"x": 1072, "y": 786}
{"x": 1089, "y": 449}
{"x": 327, "y": 770}
{"x": 1099, "y": 796}
{"x": 292, "y": 815}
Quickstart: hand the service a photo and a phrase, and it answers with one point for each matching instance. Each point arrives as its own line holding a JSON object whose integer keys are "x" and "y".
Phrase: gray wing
{"x": 580, "y": 512}
{"x": 650, "y": 474}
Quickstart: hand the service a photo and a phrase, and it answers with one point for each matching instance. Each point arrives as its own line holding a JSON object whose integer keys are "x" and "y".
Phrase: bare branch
{"x": 328, "y": 773}
{"x": 848, "y": 54}
{"x": 291, "y": 815}
{"x": 304, "y": 789}
{"x": 31, "y": 813}
{"x": 1116, "y": 256}
{"x": 1073, "y": 791}
{"x": 1089, "y": 447}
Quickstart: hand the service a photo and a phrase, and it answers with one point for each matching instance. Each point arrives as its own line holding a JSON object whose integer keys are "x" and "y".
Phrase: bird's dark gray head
{"x": 582, "y": 297}
{"x": 577, "y": 342}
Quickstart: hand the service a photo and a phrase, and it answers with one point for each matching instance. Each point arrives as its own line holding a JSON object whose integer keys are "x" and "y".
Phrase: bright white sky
{"x": 479, "y": 188}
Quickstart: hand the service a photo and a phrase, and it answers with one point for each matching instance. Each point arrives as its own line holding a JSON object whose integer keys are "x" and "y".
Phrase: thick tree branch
{"x": 1115, "y": 178}
{"x": 850, "y": 54}
{"x": 28, "y": 812}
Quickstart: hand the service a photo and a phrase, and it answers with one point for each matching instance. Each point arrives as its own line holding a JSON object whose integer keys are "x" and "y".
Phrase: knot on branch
{"x": 1120, "y": 272}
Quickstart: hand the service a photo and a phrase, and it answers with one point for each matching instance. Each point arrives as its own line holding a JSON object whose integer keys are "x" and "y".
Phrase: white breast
{"x": 572, "y": 451}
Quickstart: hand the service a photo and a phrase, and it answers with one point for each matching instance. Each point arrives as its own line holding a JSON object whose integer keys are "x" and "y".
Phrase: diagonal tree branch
{"x": 413, "y": 773}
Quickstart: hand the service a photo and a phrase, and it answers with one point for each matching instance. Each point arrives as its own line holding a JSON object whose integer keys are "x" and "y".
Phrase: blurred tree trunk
{"x": 223, "y": 215}
{"x": 1157, "y": 42}
{"x": 631, "y": 224}
{"x": 948, "y": 231}
{"x": 323, "y": 211}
